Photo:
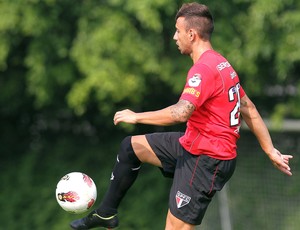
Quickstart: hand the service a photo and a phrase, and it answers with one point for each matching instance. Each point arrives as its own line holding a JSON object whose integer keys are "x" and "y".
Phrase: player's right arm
{"x": 256, "y": 124}
{"x": 177, "y": 113}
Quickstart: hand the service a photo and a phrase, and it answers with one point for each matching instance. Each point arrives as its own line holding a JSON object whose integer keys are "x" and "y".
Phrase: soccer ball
{"x": 76, "y": 192}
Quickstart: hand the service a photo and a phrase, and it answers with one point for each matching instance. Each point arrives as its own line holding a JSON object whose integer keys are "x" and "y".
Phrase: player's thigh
{"x": 144, "y": 151}
{"x": 173, "y": 223}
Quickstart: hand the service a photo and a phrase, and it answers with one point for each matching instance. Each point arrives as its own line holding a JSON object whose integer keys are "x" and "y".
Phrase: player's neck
{"x": 199, "y": 49}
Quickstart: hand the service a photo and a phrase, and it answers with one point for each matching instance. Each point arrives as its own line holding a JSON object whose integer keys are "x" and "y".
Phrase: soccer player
{"x": 203, "y": 158}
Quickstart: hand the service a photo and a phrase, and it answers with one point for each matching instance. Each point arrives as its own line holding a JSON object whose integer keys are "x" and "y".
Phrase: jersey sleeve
{"x": 242, "y": 92}
{"x": 199, "y": 85}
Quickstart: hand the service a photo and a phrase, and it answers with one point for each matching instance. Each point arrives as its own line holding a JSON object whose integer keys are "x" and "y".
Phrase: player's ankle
{"x": 106, "y": 213}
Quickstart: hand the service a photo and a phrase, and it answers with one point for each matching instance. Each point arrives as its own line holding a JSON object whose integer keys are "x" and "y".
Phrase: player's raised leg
{"x": 144, "y": 151}
{"x": 133, "y": 151}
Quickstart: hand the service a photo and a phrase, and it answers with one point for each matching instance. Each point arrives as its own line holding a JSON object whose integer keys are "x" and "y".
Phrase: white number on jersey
{"x": 233, "y": 94}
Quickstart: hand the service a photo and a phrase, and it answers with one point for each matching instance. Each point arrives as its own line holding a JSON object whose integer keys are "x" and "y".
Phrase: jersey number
{"x": 234, "y": 92}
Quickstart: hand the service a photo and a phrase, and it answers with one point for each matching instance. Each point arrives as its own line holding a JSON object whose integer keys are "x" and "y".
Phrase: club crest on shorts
{"x": 182, "y": 199}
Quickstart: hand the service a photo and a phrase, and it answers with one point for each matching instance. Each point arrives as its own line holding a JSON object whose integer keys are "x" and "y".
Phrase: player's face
{"x": 181, "y": 36}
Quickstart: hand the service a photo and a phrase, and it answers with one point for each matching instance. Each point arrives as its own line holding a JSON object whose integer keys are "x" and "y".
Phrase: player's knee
{"x": 126, "y": 153}
{"x": 173, "y": 223}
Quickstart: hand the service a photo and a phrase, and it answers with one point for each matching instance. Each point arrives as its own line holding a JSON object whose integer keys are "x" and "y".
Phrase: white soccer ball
{"x": 76, "y": 192}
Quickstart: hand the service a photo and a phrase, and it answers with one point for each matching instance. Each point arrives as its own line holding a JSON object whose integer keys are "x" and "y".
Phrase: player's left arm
{"x": 177, "y": 113}
{"x": 256, "y": 124}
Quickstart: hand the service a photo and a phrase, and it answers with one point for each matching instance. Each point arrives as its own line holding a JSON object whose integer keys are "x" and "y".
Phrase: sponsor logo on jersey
{"x": 223, "y": 65}
{"x": 195, "y": 80}
{"x": 182, "y": 199}
{"x": 192, "y": 91}
{"x": 233, "y": 74}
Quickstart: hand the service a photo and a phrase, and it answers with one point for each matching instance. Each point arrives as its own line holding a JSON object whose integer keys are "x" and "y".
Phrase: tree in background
{"x": 93, "y": 57}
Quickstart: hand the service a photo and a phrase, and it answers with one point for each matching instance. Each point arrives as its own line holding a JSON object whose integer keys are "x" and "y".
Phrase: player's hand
{"x": 281, "y": 161}
{"x": 126, "y": 116}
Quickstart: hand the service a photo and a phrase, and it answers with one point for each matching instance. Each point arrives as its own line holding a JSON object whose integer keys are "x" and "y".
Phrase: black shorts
{"x": 196, "y": 178}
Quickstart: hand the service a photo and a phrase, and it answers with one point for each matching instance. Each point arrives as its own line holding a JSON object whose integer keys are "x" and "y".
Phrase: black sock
{"x": 123, "y": 176}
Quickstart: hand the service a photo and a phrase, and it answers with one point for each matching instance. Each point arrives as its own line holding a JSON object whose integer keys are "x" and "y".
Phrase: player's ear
{"x": 191, "y": 34}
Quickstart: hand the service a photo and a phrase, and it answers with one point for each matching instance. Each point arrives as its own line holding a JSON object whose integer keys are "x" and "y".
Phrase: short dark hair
{"x": 197, "y": 17}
